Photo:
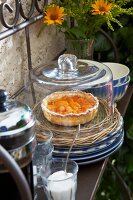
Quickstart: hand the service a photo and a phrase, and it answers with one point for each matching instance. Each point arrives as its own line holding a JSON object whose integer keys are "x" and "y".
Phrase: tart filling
{"x": 70, "y": 108}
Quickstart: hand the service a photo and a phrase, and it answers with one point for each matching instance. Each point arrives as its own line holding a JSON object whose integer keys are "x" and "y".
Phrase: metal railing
{"x": 18, "y": 14}
{"x": 21, "y": 20}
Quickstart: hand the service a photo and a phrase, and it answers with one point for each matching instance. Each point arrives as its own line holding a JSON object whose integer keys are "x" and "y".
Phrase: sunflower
{"x": 54, "y": 15}
{"x": 101, "y": 7}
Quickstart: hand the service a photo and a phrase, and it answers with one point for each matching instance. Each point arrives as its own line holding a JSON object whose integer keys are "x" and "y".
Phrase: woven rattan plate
{"x": 98, "y": 128}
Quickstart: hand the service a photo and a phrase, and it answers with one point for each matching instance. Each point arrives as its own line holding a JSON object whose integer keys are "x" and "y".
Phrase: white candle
{"x": 61, "y": 186}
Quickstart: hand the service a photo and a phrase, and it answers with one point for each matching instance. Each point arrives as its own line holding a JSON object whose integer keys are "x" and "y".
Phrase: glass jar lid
{"x": 14, "y": 116}
{"x": 70, "y": 71}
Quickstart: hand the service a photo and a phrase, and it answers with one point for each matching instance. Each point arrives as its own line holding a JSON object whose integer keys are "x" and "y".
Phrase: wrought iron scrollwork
{"x": 5, "y": 6}
{"x": 35, "y": 13}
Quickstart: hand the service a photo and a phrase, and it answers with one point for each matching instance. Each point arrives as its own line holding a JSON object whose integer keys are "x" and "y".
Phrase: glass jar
{"x": 83, "y": 49}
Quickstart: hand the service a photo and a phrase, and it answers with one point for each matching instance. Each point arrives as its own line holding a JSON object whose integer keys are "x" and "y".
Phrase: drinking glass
{"x": 41, "y": 156}
{"x": 60, "y": 184}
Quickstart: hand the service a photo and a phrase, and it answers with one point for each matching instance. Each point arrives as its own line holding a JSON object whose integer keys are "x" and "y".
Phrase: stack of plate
{"x": 97, "y": 151}
{"x": 97, "y": 140}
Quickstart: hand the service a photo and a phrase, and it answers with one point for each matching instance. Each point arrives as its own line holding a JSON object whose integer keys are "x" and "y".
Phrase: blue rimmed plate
{"x": 89, "y": 149}
{"x": 97, "y": 159}
{"x": 95, "y": 154}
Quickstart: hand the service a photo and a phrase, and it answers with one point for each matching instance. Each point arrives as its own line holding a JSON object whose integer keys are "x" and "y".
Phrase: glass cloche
{"x": 63, "y": 90}
{"x": 71, "y": 73}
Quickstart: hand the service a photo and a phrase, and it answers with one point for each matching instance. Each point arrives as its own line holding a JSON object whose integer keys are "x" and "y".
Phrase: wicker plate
{"x": 98, "y": 141}
{"x": 88, "y": 150}
{"x": 92, "y": 153}
{"x": 100, "y": 127}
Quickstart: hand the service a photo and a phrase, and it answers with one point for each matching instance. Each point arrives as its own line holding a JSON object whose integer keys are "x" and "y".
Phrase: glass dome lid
{"x": 70, "y": 71}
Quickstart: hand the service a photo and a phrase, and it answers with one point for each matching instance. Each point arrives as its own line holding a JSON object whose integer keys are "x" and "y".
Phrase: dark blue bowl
{"x": 120, "y": 72}
{"x": 119, "y": 90}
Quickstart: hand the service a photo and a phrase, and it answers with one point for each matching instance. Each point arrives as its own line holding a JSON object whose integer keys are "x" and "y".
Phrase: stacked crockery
{"x": 76, "y": 87}
{"x": 121, "y": 79}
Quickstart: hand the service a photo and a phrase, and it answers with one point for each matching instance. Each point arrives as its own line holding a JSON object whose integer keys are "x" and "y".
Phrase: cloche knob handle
{"x": 67, "y": 63}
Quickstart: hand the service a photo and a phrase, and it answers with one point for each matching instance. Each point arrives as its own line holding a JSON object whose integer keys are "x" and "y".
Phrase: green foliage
{"x": 123, "y": 159}
{"x": 124, "y": 42}
{"x": 87, "y": 19}
{"x": 109, "y": 189}
{"x": 123, "y": 162}
{"x": 81, "y": 11}
{"x": 101, "y": 43}
{"x": 79, "y": 31}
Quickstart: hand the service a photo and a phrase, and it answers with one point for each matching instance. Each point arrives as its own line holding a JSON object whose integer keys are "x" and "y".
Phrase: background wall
{"x": 13, "y": 55}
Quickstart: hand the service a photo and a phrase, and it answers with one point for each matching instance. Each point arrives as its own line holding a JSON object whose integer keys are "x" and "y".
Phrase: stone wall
{"x": 13, "y": 55}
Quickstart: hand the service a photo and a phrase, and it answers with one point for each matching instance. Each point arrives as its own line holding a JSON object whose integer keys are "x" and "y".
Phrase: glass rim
{"x": 60, "y": 160}
{"x": 48, "y": 139}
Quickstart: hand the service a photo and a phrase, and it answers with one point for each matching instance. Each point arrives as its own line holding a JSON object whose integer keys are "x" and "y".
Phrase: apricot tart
{"x": 70, "y": 108}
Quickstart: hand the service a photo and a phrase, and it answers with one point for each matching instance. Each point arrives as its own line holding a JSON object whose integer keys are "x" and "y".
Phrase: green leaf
{"x": 102, "y": 44}
{"x": 130, "y": 132}
{"x": 129, "y": 162}
{"x": 77, "y": 33}
{"x": 127, "y": 34}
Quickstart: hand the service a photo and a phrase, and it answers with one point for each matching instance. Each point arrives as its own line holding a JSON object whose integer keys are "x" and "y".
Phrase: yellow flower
{"x": 101, "y": 7}
{"x": 54, "y": 15}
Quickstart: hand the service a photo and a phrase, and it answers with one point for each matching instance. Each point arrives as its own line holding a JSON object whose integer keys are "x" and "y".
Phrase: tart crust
{"x": 69, "y": 119}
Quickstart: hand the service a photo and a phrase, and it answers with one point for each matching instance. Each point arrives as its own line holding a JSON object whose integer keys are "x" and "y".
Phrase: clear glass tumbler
{"x": 41, "y": 156}
{"x": 58, "y": 183}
